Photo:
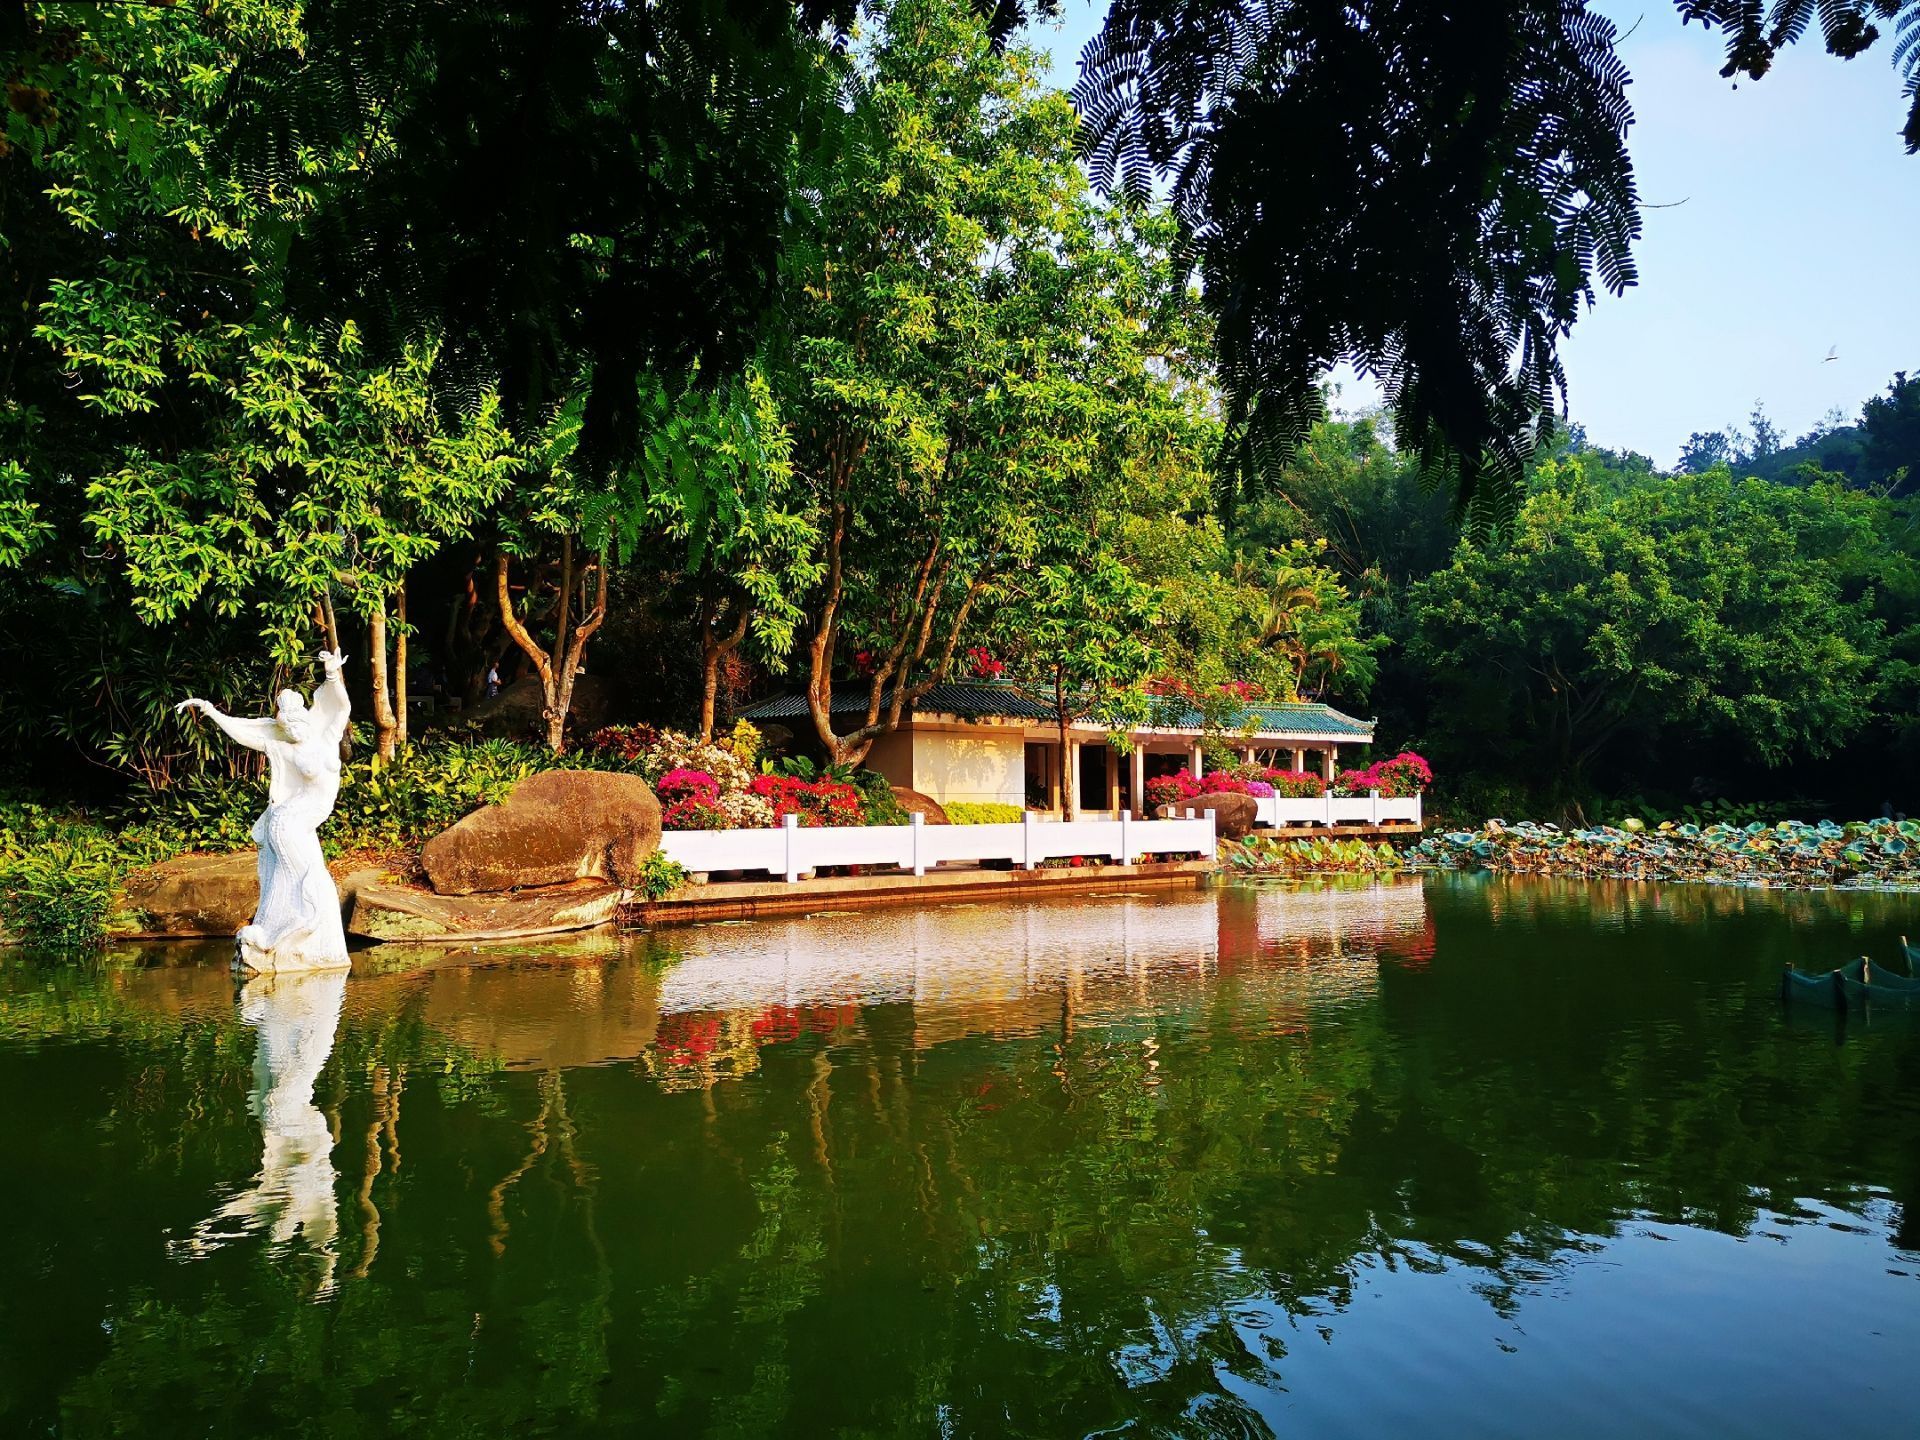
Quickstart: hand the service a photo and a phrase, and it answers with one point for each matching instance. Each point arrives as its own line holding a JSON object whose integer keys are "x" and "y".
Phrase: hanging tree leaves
{"x": 1430, "y": 193}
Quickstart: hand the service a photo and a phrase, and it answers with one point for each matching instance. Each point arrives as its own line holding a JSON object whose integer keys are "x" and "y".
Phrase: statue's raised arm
{"x": 254, "y": 734}
{"x": 330, "y": 708}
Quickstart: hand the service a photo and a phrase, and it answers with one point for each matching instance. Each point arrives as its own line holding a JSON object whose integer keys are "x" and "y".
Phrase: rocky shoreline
{"x": 1789, "y": 853}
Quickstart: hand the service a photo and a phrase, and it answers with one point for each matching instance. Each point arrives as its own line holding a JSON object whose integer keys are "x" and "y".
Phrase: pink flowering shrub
{"x": 1296, "y": 784}
{"x": 684, "y": 783}
{"x": 1403, "y": 775}
{"x": 691, "y": 812}
{"x": 1173, "y": 789}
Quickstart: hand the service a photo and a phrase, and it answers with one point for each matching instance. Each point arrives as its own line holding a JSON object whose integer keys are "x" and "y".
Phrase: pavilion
{"x": 987, "y": 742}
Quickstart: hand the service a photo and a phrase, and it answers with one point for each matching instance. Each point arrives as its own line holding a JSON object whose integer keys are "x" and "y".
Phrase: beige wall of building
{"x": 978, "y": 768}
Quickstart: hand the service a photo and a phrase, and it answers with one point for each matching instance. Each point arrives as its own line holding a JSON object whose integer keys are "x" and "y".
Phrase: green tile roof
{"x": 981, "y": 699}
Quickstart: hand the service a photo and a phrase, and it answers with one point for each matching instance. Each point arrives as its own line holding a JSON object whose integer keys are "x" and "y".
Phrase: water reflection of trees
{"x": 1095, "y": 1188}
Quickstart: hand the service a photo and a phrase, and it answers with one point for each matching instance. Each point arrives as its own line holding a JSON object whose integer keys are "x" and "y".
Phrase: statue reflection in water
{"x": 294, "y": 1017}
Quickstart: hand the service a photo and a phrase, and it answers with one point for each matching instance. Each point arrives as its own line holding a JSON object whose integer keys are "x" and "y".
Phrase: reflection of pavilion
{"x": 728, "y": 989}
{"x": 998, "y": 968}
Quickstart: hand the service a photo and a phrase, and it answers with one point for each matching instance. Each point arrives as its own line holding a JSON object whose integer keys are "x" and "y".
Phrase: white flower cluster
{"x": 677, "y": 751}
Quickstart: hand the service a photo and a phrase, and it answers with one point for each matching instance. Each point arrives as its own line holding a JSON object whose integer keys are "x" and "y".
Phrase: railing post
{"x": 1126, "y": 838}
{"x": 1327, "y": 797}
{"x": 1375, "y": 796}
{"x": 1026, "y": 854}
{"x": 1418, "y": 812}
{"x": 917, "y": 820}
{"x": 793, "y": 848}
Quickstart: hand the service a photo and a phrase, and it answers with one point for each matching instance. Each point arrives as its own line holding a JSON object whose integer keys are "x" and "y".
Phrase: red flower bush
{"x": 982, "y": 665}
{"x": 1396, "y": 778}
{"x": 627, "y": 744}
{"x": 1296, "y": 784}
{"x": 815, "y": 802}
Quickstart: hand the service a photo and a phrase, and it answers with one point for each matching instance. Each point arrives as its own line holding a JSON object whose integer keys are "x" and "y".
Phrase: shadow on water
{"x": 1468, "y": 1156}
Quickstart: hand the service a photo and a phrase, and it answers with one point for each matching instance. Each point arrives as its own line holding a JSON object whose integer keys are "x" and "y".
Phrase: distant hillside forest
{"x": 1736, "y": 636}
{"x": 1880, "y": 450}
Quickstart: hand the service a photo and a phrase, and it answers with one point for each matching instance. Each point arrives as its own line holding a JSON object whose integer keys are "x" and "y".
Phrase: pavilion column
{"x": 1195, "y": 759}
{"x": 1299, "y": 758}
{"x": 1326, "y": 762}
{"x": 1071, "y": 780}
{"x": 1113, "y": 780}
{"x": 1138, "y": 760}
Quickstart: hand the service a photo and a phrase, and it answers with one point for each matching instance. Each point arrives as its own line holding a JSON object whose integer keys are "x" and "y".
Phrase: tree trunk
{"x": 714, "y": 648}
{"x": 1069, "y": 790}
{"x": 557, "y": 668}
{"x": 384, "y": 725}
{"x": 400, "y": 666}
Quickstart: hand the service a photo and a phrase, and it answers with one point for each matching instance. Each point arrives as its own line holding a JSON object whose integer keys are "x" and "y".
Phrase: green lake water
{"x": 1461, "y": 1157}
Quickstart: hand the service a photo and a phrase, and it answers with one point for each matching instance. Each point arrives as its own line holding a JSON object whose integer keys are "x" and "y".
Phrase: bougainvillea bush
{"x": 1183, "y": 785}
{"x": 1296, "y": 784}
{"x": 814, "y": 802}
{"x": 1396, "y": 778}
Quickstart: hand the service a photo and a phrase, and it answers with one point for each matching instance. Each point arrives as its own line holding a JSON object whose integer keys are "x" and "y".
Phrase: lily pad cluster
{"x": 1787, "y": 853}
{"x": 1268, "y": 855}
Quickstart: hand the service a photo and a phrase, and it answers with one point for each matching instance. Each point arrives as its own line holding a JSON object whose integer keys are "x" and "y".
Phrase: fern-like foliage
{"x": 1431, "y": 193}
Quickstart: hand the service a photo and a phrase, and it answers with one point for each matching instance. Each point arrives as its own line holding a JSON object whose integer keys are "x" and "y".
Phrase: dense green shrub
{"x": 660, "y": 876}
{"x": 59, "y": 873}
{"x": 967, "y": 812}
{"x": 878, "y": 804}
{"x": 426, "y": 788}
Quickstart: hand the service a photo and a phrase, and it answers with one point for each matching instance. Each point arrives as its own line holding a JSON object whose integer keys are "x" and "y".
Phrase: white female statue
{"x": 297, "y": 924}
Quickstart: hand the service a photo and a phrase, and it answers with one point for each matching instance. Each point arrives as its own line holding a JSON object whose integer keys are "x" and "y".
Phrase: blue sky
{"x": 1791, "y": 227}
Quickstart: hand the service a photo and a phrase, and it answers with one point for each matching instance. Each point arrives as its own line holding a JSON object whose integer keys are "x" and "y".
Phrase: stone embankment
{"x": 1873, "y": 853}
{"x": 556, "y": 855}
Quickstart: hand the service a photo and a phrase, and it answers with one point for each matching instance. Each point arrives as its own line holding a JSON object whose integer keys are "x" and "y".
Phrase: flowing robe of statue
{"x": 296, "y": 925}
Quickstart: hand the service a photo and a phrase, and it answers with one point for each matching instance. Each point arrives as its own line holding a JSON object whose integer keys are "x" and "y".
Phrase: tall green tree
{"x": 1434, "y": 193}
{"x": 1079, "y": 635}
{"x": 223, "y": 459}
{"x": 975, "y": 351}
{"x": 1705, "y": 611}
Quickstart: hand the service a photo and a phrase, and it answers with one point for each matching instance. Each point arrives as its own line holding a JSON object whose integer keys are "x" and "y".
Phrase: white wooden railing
{"x": 794, "y": 850}
{"x": 1368, "y": 809}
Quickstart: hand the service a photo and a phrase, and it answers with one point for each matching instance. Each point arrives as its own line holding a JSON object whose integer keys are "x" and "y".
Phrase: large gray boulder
{"x": 397, "y": 912}
{"x": 193, "y": 895}
{"x": 558, "y": 826}
{"x": 930, "y": 810}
